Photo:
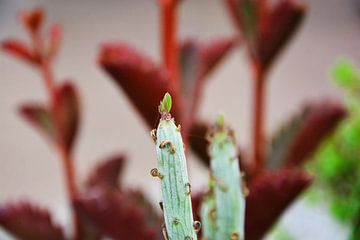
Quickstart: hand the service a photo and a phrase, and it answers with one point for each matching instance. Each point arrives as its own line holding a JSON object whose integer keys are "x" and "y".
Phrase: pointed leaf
{"x": 20, "y": 50}
{"x": 40, "y": 117}
{"x": 107, "y": 173}
{"x": 143, "y": 82}
{"x": 66, "y": 111}
{"x": 323, "y": 118}
{"x": 28, "y": 222}
{"x": 270, "y": 194}
{"x": 116, "y": 215}
{"x": 277, "y": 30}
{"x": 283, "y": 138}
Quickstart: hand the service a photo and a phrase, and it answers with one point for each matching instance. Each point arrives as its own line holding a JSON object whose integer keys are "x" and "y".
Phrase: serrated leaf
{"x": 116, "y": 215}
{"x": 28, "y": 222}
{"x": 270, "y": 195}
{"x": 143, "y": 82}
{"x": 40, "y": 117}
{"x": 107, "y": 173}
{"x": 66, "y": 110}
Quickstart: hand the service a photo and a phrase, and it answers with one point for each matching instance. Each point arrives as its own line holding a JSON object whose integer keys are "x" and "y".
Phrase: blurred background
{"x": 29, "y": 168}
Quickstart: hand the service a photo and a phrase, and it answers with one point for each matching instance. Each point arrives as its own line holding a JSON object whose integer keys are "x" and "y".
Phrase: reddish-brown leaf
{"x": 28, "y": 222}
{"x": 320, "y": 123}
{"x": 107, "y": 173}
{"x": 40, "y": 117}
{"x": 19, "y": 49}
{"x": 32, "y": 19}
{"x": 116, "y": 215}
{"x": 213, "y": 52}
{"x": 270, "y": 194}
{"x": 142, "y": 81}
{"x": 277, "y": 30}
{"x": 66, "y": 110}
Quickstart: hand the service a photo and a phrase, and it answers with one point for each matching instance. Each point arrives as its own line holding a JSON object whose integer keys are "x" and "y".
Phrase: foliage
{"x": 337, "y": 164}
{"x": 102, "y": 207}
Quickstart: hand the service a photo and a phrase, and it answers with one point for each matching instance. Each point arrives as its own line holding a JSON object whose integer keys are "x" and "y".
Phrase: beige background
{"x": 29, "y": 169}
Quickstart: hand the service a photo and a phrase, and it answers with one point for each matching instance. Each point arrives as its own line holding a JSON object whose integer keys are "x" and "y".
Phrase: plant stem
{"x": 258, "y": 121}
{"x": 169, "y": 39}
{"x": 68, "y": 166}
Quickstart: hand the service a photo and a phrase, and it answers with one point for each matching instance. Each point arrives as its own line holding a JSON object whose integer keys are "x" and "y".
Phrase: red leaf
{"x": 19, "y": 50}
{"x": 33, "y": 19}
{"x": 213, "y": 52}
{"x": 266, "y": 29}
{"x": 322, "y": 119}
{"x": 277, "y": 30}
{"x": 143, "y": 82}
{"x": 40, "y": 117}
{"x": 117, "y": 215}
{"x": 28, "y": 222}
{"x": 106, "y": 174}
{"x": 270, "y": 194}
{"x": 66, "y": 111}
{"x": 54, "y": 39}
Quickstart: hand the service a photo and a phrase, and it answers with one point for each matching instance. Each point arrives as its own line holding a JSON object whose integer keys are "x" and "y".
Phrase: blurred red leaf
{"x": 66, "y": 110}
{"x": 53, "y": 41}
{"x": 28, "y": 222}
{"x": 213, "y": 52}
{"x": 117, "y": 215}
{"x": 32, "y": 19}
{"x": 322, "y": 119}
{"x": 277, "y": 30}
{"x": 270, "y": 194}
{"x": 267, "y": 29}
{"x": 107, "y": 173}
{"x": 143, "y": 82}
{"x": 20, "y": 50}
{"x": 40, "y": 117}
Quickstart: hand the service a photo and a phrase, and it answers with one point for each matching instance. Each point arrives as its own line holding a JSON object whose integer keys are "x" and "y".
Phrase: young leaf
{"x": 143, "y": 82}
{"x": 33, "y": 19}
{"x": 66, "y": 110}
{"x": 40, "y": 117}
{"x": 28, "y": 222}
{"x": 270, "y": 194}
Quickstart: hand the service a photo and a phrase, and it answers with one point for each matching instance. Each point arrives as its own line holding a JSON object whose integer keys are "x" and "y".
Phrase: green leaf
{"x": 346, "y": 75}
{"x": 166, "y": 103}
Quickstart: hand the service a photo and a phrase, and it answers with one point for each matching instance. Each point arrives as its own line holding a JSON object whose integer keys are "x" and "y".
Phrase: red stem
{"x": 68, "y": 166}
{"x": 258, "y": 121}
{"x": 170, "y": 49}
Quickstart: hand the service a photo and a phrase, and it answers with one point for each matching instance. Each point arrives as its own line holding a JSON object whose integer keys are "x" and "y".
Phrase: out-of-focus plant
{"x": 102, "y": 208}
{"x": 337, "y": 164}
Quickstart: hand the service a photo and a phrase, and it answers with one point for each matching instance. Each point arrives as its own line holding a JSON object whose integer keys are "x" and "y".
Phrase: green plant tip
{"x": 166, "y": 103}
{"x": 220, "y": 121}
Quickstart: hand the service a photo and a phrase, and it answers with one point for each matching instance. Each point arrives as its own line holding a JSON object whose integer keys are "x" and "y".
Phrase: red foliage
{"x": 66, "y": 110}
{"x": 26, "y": 221}
{"x": 270, "y": 194}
